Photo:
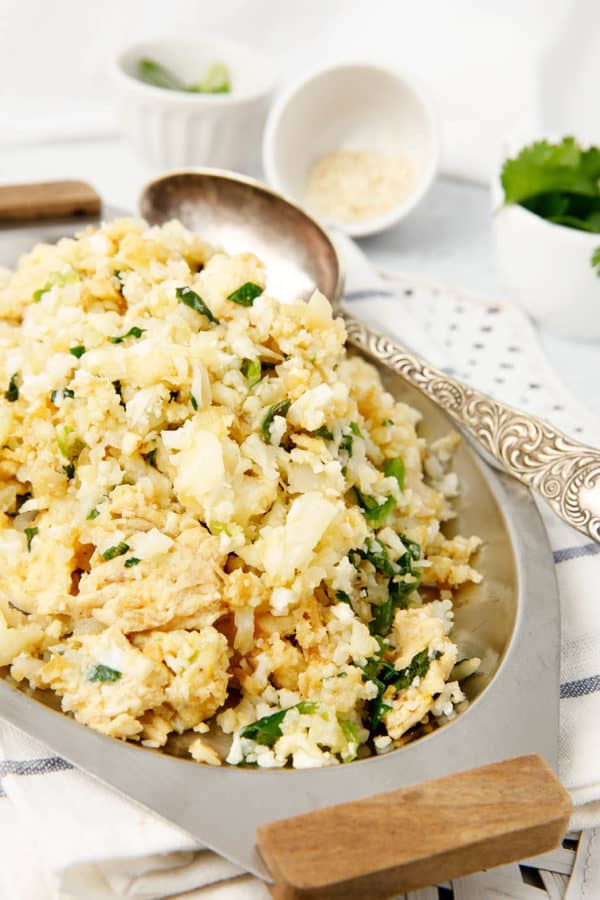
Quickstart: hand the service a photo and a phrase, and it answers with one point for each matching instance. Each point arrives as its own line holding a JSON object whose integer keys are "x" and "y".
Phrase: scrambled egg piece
{"x": 210, "y": 513}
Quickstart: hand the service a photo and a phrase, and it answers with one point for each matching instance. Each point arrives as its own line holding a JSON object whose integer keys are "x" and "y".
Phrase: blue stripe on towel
{"x": 581, "y": 687}
{"x": 575, "y": 552}
{"x": 368, "y": 294}
{"x": 41, "y": 766}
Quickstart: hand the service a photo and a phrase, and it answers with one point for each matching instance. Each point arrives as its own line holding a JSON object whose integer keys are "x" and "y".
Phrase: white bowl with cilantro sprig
{"x": 186, "y": 102}
{"x": 547, "y": 230}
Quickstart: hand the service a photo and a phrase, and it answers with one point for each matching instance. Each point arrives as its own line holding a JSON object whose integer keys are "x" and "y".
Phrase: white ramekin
{"x": 548, "y": 269}
{"x": 170, "y": 129}
{"x": 355, "y": 106}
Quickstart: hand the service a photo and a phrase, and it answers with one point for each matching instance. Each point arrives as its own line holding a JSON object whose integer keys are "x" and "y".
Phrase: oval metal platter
{"x": 510, "y": 620}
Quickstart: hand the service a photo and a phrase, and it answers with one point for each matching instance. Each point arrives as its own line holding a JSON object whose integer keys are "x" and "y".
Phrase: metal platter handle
{"x": 563, "y": 471}
{"x": 418, "y": 836}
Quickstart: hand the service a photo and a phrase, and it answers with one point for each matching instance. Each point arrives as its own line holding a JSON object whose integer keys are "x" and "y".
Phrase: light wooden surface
{"x": 417, "y": 836}
{"x": 47, "y": 200}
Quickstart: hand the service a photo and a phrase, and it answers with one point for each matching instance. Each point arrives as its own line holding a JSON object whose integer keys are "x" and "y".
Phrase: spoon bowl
{"x": 240, "y": 214}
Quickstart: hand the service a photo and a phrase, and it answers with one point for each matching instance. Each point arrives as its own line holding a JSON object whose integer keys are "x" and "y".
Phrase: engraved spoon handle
{"x": 565, "y": 472}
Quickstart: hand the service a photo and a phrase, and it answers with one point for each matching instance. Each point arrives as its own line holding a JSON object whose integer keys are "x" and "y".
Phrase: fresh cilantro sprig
{"x": 267, "y": 730}
{"x": 558, "y": 181}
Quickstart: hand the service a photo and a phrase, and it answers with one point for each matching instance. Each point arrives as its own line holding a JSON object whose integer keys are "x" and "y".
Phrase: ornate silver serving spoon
{"x": 239, "y": 214}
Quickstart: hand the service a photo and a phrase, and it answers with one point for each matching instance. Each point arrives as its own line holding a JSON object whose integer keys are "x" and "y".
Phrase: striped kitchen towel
{"x": 66, "y": 836}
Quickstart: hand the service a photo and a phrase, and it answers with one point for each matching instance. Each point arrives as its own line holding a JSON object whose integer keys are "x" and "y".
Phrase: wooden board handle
{"x": 47, "y": 200}
{"x": 418, "y": 836}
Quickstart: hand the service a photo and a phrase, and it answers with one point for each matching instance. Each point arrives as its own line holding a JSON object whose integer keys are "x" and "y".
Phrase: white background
{"x": 494, "y": 66}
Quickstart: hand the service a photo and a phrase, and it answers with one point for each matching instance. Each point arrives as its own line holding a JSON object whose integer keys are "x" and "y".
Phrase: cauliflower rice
{"x": 210, "y": 512}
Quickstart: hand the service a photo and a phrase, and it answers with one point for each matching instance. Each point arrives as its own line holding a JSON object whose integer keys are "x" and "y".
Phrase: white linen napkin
{"x": 67, "y": 836}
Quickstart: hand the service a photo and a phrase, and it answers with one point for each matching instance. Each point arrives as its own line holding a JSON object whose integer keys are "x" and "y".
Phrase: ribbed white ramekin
{"x": 170, "y": 129}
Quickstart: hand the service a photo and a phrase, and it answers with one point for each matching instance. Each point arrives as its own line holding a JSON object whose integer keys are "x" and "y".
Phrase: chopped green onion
{"x": 190, "y": 298}
{"x": 342, "y": 597}
{"x": 77, "y": 351}
{"x": 218, "y": 528}
{"x": 93, "y": 514}
{"x": 131, "y": 562}
{"x": 395, "y": 468}
{"x": 60, "y": 279}
{"x": 103, "y": 673}
{"x": 12, "y": 393}
{"x": 117, "y": 550}
{"x": 252, "y": 371}
{"x": 194, "y": 402}
{"x": 323, "y": 432}
{"x": 375, "y": 513}
{"x": 30, "y": 533}
{"x": 246, "y": 294}
{"x": 355, "y": 429}
{"x": 134, "y": 331}
{"x": 278, "y": 409}
{"x": 216, "y": 80}
{"x": 159, "y": 76}
{"x": 69, "y": 443}
{"x": 349, "y": 730}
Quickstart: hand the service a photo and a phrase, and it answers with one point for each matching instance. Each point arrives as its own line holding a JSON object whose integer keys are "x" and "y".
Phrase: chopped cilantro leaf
{"x": 403, "y": 678}
{"x": 116, "y": 550}
{"x": 267, "y": 730}
{"x": 69, "y": 470}
{"x": 347, "y": 443}
{"x": 66, "y": 393}
{"x": 252, "y": 371}
{"x": 246, "y": 294}
{"x": 30, "y": 533}
{"x": 131, "y": 562}
{"x": 323, "y": 432}
{"x": 342, "y": 597}
{"x": 151, "y": 457}
{"x": 134, "y": 331}
{"x": 77, "y": 351}
{"x": 278, "y": 409}
{"x": 395, "y": 468}
{"x": 12, "y": 392}
{"x": 103, "y": 673}
{"x": 190, "y": 298}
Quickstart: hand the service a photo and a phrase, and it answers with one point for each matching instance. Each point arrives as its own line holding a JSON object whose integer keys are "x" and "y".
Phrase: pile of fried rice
{"x": 212, "y": 516}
